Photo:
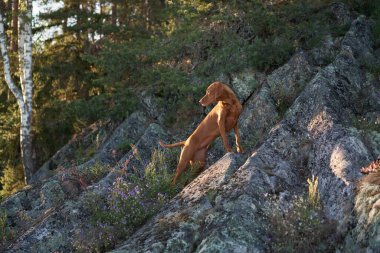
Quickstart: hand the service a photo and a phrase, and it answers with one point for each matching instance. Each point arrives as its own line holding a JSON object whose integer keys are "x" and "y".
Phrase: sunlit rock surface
{"x": 300, "y": 120}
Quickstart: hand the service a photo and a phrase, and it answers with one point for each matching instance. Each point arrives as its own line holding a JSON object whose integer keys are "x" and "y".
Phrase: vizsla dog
{"x": 222, "y": 118}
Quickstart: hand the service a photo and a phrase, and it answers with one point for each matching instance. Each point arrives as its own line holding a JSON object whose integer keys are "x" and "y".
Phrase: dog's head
{"x": 213, "y": 93}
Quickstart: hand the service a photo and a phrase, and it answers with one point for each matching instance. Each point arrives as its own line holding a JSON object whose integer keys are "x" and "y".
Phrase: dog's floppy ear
{"x": 218, "y": 90}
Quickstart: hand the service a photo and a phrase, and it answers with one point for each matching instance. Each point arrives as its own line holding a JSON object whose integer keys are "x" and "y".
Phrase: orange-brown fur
{"x": 221, "y": 119}
{"x": 372, "y": 167}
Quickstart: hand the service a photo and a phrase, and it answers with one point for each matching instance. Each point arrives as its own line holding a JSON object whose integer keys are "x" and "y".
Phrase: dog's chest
{"x": 231, "y": 118}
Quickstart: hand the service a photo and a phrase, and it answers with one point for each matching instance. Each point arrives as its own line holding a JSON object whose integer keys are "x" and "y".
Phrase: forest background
{"x": 93, "y": 60}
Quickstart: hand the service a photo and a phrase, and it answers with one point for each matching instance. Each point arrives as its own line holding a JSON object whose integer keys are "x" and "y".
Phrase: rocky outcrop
{"x": 81, "y": 147}
{"x": 125, "y": 135}
{"x": 300, "y": 120}
{"x": 108, "y": 144}
{"x": 287, "y": 81}
{"x": 315, "y": 137}
{"x": 54, "y": 210}
{"x": 245, "y": 83}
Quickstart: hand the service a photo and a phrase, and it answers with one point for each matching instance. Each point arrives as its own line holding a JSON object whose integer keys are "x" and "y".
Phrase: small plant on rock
{"x": 95, "y": 172}
{"x": 313, "y": 194}
{"x": 301, "y": 226}
{"x": 6, "y": 233}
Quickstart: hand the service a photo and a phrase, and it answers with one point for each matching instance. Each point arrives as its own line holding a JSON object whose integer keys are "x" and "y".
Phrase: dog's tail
{"x": 182, "y": 143}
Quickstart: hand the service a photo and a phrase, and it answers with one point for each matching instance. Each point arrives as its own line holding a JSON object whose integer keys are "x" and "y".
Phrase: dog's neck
{"x": 227, "y": 99}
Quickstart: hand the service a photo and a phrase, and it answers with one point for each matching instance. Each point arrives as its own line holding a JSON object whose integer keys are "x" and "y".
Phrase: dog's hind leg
{"x": 184, "y": 159}
{"x": 199, "y": 160}
{"x": 199, "y": 157}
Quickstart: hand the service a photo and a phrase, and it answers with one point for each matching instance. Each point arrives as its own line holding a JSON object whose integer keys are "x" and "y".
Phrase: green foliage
{"x": 173, "y": 92}
{"x": 12, "y": 180}
{"x": 101, "y": 63}
{"x": 94, "y": 173}
{"x": 282, "y": 106}
{"x": 370, "y": 8}
{"x": 158, "y": 176}
{"x": 259, "y": 57}
{"x": 6, "y": 234}
{"x": 68, "y": 118}
{"x": 128, "y": 203}
{"x": 124, "y": 146}
{"x": 186, "y": 177}
{"x": 365, "y": 124}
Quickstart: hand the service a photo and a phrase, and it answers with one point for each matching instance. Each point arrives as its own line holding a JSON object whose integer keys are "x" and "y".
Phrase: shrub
{"x": 128, "y": 203}
{"x": 6, "y": 233}
{"x": 158, "y": 177}
{"x": 12, "y": 180}
{"x": 125, "y": 207}
{"x": 95, "y": 172}
{"x": 302, "y": 226}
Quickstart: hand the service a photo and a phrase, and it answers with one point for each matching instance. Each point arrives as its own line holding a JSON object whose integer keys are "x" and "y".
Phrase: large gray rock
{"x": 226, "y": 208}
{"x": 372, "y": 141}
{"x": 119, "y": 143}
{"x": 357, "y": 39}
{"x": 342, "y": 13}
{"x": 58, "y": 215}
{"x": 52, "y": 194}
{"x": 258, "y": 116}
{"x": 139, "y": 157}
{"x": 286, "y": 82}
{"x": 313, "y": 138}
{"x": 78, "y": 150}
{"x": 178, "y": 225}
{"x": 245, "y": 83}
{"x": 108, "y": 144}
{"x": 327, "y": 52}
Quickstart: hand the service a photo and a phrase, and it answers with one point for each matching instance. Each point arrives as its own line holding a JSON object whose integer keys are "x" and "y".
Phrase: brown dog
{"x": 222, "y": 118}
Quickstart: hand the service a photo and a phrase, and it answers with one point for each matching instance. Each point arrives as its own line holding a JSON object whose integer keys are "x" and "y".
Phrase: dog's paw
{"x": 240, "y": 150}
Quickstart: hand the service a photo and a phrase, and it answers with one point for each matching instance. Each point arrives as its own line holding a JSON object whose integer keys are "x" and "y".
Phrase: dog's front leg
{"x": 237, "y": 138}
{"x": 222, "y": 129}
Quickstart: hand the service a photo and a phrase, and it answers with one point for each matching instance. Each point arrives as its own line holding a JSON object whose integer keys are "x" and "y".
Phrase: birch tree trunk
{"x": 25, "y": 95}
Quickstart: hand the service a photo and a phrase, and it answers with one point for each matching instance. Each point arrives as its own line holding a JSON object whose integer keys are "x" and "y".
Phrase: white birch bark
{"x": 23, "y": 97}
{"x": 7, "y": 68}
